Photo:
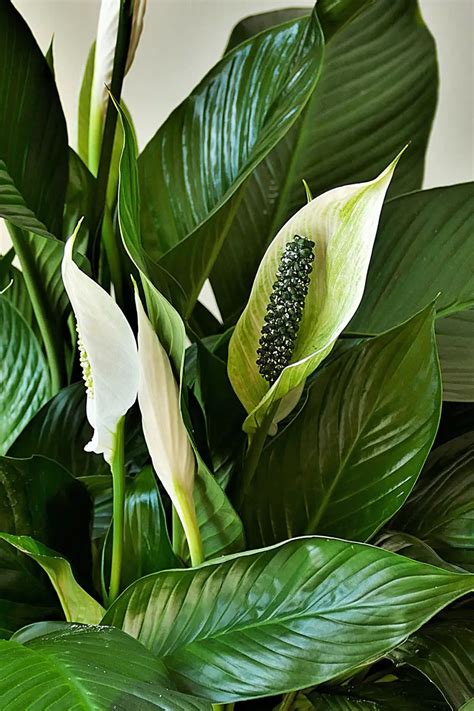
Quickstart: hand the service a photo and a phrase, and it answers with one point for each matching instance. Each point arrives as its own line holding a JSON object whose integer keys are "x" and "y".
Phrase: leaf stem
{"x": 287, "y": 702}
{"x": 254, "y": 452}
{"x": 117, "y": 466}
{"x": 49, "y": 332}
{"x": 186, "y": 510}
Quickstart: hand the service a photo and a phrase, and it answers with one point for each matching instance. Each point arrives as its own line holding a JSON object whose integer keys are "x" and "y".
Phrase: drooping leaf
{"x": 377, "y": 92}
{"x": 33, "y": 135}
{"x": 282, "y": 618}
{"x": 421, "y": 252}
{"x": 349, "y": 460}
{"x": 185, "y": 221}
{"x": 441, "y": 509}
{"x": 85, "y": 668}
{"x": 444, "y": 652}
{"x": 342, "y": 223}
{"x": 77, "y": 604}
{"x": 25, "y": 380}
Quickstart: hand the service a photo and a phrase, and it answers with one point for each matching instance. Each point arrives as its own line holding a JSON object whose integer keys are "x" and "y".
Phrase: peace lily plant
{"x": 267, "y": 506}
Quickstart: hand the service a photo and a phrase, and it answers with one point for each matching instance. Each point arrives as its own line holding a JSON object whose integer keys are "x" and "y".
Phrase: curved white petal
{"x": 163, "y": 426}
{"x": 111, "y": 351}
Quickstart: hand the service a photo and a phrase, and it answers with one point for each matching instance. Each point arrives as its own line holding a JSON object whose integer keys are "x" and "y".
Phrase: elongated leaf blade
{"x": 377, "y": 92}
{"x": 282, "y": 618}
{"x": 349, "y": 460}
{"x": 85, "y": 668}
{"x": 25, "y": 385}
{"x": 33, "y": 135}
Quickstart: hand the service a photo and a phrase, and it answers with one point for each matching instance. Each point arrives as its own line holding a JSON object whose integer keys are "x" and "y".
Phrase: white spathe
{"x": 158, "y": 397}
{"x": 108, "y": 353}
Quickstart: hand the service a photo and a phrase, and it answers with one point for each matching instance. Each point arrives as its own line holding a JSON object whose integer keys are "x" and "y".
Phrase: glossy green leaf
{"x": 377, "y": 92}
{"x": 444, "y": 652}
{"x": 441, "y": 509}
{"x": 193, "y": 171}
{"x": 25, "y": 382}
{"x": 77, "y": 604}
{"x": 412, "y": 547}
{"x": 13, "y": 288}
{"x": 342, "y": 223}
{"x": 79, "y": 199}
{"x": 84, "y": 107}
{"x": 349, "y": 460}
{"x": 422, "y": 250}
{"x": 147, "y": 547}
{"x": 85, "y": 668}
{"x": 282, "y": 618}
{"x": 455, "y": 336}
{"x": 33, "y": 135}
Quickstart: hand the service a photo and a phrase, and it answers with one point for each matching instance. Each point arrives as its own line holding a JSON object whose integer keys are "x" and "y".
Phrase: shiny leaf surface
{"x": 282, "y": 618}
{"x": 349, "y": 460}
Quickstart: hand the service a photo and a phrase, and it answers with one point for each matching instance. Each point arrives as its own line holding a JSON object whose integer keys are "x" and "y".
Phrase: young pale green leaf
{"x": 85, "y": 668}
{"x": 193, "y": 171}
{"x": 444, "y": 652}
{"x": 282, "y": 618}
{"x": 102, "y": 329}
{"x": 33, "y": 135}
{"x": 441, "y": 508}
{"x": 377, "y": 92}
{"x": 25, "y": 381}
{"x": 77, "y": 604}
{"x": 342, "y": 223}
{"x": 349, "y": 460}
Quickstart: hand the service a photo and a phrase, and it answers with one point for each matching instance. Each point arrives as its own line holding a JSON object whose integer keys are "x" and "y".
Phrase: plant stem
{"x": 118, "y": 481}
{"x": 185, "y": 508}
{"x": 254, "y": 452}
{"x": 287, "y": 702}
{"x": 110, "y": 124}
{"x": 46, "y": 325}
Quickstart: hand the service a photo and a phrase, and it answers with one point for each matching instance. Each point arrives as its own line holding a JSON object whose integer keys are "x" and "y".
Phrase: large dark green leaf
{"x": 348, "y": 461}
{"x": 455, "y": 337}
{"x": 444, "y": 652}
{"x": 441, "y": 508}
{"x": 376, "y": 93}
{"x": 85, "y": 668}
{"x": 193, "y": 171}
{"x": 423, "y": 249}
{"x": 38, "y": 498}
{"x": 283, "y": 618}
{"x": 25, "y": 381}
{"x": 33, "y": 136}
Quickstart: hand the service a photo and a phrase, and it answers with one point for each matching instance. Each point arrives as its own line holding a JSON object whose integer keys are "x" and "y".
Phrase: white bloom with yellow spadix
{"x": 108, "y": 354}
{"x": 165, "y": 433}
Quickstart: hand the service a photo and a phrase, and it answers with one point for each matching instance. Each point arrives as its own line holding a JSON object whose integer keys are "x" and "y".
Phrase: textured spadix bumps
{"x": 342, "y": 223}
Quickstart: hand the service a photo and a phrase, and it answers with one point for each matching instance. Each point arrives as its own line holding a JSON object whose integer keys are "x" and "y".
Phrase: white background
{"x": 182, "y": 39}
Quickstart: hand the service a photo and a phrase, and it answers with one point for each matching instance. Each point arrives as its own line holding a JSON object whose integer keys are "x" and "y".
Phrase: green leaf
{"x": 422, "y": 250}
{"x": 412, "y": 547}
{"x": 77, "y": 604}
{"x": 455, "y": 336}
{"x": 377, "y": 92}
{"x": 441, "y": 509}
{"x": 85, "y": 668}
{"x": 83, "y": 115}
{"x": 79, "y": 198}
{"x": 25, "y": 374}
{"x": 444, "y": 652}
{"x": 33, "y": 135}
{"x": 282, "y": 618}
{"x": 13, "y": 288}
{"x": 146, "y": 544}
{"x": 193, "y": 171}
{"x": 351, "y": 457}
{"x": 342, "y": 223}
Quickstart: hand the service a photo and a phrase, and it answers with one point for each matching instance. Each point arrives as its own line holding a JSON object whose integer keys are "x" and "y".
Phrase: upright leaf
{"x": 441, "y": 508}
{"x": 25, "y": 382}
{"x": 377, "y": 92}
{"x": 33, "y": 135}
{"x": 282, "y": 618}
{"x": 193, "y": 171}
{"x": 85, "y": 668}
{"x": 349, "y": 460}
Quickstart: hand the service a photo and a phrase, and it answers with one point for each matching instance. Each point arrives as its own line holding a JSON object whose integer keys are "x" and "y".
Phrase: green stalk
{"x": 186, "y": 510}
{"x": 287, "y": 702}
{"x": 254, "y": 452}
{"x": 118, "y": 480}
{"x": 49, "y": 334}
